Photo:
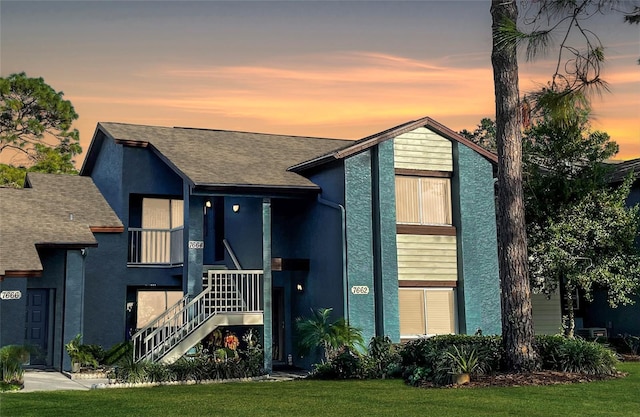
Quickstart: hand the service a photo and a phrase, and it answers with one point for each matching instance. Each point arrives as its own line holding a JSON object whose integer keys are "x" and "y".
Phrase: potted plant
{"x": 79, "y": 355}
{"x": 464, "y": 362}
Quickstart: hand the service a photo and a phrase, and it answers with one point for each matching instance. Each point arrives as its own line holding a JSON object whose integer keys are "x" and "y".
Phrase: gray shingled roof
{"x": 228, "y": 158}
{"x": 622, "y": 169}
{"x": 41, "y": 215}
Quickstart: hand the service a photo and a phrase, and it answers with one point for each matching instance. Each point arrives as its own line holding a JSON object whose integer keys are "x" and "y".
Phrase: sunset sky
{"x": 330, "y": 69}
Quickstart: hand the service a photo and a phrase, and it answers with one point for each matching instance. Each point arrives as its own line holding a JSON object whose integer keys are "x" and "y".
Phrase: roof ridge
{"x": 260, "y": 133}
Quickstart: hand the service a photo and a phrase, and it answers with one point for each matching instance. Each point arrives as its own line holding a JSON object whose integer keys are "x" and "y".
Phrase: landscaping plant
{"x": 318, "y": 331}
{"x": 11, "y": 372}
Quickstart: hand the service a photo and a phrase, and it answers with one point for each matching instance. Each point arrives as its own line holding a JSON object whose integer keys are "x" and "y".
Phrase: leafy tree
{"x": 581, "y": 234}
{"x": 565, "y": 98}
{"x": 45, "y": 159}
{"x": 587, "y": 245}
{"x": 32, "y": 112}
{"x": 484, "y": 135}
{"x": 331, "y": 336}
{"x": 562, "y": 165}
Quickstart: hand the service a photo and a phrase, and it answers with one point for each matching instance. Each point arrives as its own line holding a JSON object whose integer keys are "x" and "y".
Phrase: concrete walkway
{"x": 50, "y": 380}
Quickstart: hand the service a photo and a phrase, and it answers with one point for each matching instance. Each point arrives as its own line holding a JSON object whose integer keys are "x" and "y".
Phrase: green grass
{"x": 336, "y": 398}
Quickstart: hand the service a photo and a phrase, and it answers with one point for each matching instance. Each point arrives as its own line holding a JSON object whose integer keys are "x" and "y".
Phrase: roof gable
{"x": 370, "y": 141}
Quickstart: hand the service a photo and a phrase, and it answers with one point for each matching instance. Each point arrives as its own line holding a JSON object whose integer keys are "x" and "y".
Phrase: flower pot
{"x": 75, "y": 367}
{"x": 462, "y": 379}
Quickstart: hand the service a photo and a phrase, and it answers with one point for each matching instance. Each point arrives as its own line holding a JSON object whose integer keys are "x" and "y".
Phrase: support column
{"x": 195, "y": 245}
{"x": 73, "y": 300}
{"x": 267, "y": 282}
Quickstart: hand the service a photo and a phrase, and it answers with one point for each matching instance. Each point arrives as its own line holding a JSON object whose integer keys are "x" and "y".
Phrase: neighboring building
{"x": 396, "y": 232}
{"x": 598, "y": 314}
{"x": 47, "y": 230}
{"x": 595, "y": 318}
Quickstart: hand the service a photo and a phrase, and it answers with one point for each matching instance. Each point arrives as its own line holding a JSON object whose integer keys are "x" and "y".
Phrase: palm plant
{"x": 330, "y": 336}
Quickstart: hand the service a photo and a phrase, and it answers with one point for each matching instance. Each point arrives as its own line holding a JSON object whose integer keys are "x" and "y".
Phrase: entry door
{"x": 36, "y": 325}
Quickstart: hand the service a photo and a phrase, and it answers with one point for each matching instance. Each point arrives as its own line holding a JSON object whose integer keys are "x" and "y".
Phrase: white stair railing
{"x": 228, "y": 292}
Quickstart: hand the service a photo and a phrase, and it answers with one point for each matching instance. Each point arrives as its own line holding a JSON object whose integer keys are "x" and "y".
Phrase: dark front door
{"x": 36, "y": 325}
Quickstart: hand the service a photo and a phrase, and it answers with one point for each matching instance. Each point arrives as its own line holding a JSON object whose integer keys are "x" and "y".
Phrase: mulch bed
{"x": 530, "y": 378}
{"x": 535, "y": 378}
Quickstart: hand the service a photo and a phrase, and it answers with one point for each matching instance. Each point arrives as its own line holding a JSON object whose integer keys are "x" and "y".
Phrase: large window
{"x": 426, "y": 311}
{"x": 423, "y": 200}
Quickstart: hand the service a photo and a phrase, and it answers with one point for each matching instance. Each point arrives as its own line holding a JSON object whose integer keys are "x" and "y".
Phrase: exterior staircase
{"x": 228, "y": 298}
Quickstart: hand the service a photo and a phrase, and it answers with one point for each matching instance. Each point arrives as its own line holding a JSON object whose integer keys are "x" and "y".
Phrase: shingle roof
{"x": 227, "y": 158}
{"x": 58, "y": 210}
{"x": 622, "y": 169}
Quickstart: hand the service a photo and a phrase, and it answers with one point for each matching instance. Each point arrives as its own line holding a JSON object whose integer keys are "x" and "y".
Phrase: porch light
{"x": 299, "y": 287}
{"x": 207, "y": 204}
{"x": 235, "y": 208}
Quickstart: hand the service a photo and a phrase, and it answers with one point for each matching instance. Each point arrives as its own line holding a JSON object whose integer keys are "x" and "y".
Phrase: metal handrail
{"x": 227, "y": 292}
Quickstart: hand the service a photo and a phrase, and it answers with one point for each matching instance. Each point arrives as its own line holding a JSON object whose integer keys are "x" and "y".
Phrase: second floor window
{"x": 161, "y": 213}
{"x": 423, "y": 200}
{"x": 159, "y": 240}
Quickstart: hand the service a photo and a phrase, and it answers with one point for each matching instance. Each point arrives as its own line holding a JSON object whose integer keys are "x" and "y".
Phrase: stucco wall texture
{"x": 474, "y": 211}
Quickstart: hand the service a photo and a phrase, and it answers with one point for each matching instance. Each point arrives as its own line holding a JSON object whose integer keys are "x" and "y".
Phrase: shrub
{"x": 80, "y": 353}
{"x": 346, "y": 364}
{"x": 97, "y": 352}
{"x": 433, "y": 356}
{"x": 575, "y": 355}
{"x": 129, "y": 371}
{"x": 383, "y": 359}
{"x": 118, "y": 353}
{"x": 11, "y": 371}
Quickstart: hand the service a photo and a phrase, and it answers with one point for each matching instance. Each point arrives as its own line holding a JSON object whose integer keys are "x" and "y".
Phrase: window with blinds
{"x": 160, "y": 217}
{"x": 426, "y": 311}
{"x": 423, "y": 200}
{"x": 150, "y": 304}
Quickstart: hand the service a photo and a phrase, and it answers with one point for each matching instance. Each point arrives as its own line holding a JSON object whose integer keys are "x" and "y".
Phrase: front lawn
{"x": 336, "y": 398}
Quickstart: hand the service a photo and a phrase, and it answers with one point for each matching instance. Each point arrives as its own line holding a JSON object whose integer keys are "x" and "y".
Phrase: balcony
{"x": 155, "y": 247}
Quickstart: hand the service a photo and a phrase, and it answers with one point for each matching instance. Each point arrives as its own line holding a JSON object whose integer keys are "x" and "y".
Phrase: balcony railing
{"x": 155, "y": 246}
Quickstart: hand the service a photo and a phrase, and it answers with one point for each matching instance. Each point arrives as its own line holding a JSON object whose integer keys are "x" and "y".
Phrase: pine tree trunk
{"x": 517, "y": 323}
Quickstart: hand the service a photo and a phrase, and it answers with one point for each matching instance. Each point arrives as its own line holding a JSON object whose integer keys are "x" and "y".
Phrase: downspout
{"x": 343, "y": 223}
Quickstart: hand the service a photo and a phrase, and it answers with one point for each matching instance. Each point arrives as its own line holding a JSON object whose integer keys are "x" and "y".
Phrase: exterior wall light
{"x": 207, "y": 204}
{"x": 235, "y": 208}
{"x": 299, "y": 288}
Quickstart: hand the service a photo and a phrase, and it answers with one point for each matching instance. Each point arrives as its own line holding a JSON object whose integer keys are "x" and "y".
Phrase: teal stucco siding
{"x": 358, "y": 201}
{"x": 474, "y": 218}
{"x": 386, "y": 250}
